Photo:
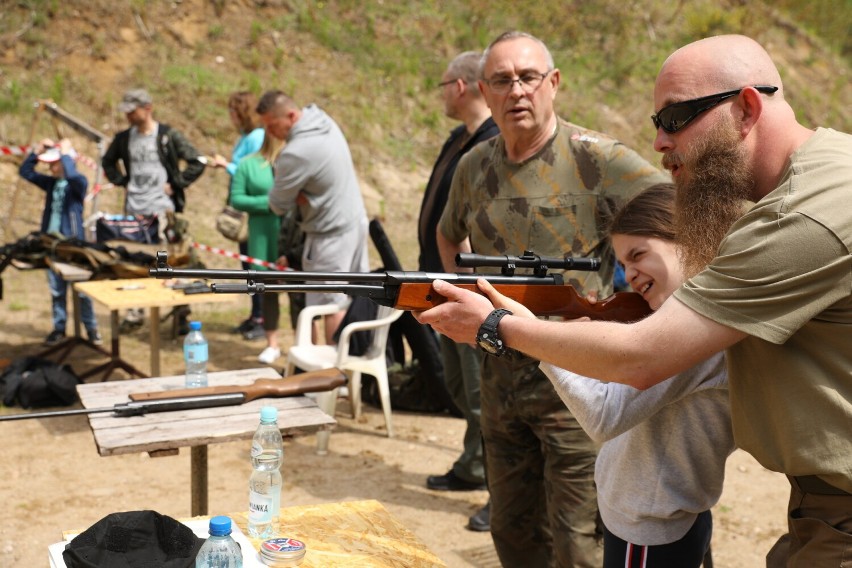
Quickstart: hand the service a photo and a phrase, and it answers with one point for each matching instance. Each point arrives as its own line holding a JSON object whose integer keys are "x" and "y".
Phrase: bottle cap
{"x": 195, "y": 326}
{"x": 268, "y": 414}
{"x": 283, "y": 551}
{"x": 220, "y": 525}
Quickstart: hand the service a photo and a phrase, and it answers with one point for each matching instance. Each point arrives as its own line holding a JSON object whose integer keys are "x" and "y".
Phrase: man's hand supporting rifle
{"x": 207, "y": 397}
{"x": 542, "y": 293}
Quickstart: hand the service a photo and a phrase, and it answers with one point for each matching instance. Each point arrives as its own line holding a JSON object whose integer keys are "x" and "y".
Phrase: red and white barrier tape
{"x": 14, "y": 150}
{"x": 241, "y": 257}
{"x": 97, "y": 188}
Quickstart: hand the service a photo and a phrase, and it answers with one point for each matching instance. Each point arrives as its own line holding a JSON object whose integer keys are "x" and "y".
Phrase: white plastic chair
{"x": 307, "y": 355}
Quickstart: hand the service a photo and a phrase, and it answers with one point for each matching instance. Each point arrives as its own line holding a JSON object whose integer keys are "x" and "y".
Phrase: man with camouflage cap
{"x": 151, "y": 154}
{"x": 548, "y": 186}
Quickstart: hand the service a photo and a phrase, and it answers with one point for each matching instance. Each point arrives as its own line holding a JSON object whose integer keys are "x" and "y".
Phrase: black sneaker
{"x": 451, "y": 482}
{"x": 256, "y": 331}
{"x": 481, "y": 520}
{"x": 244, "y": 326}
{"x": 54, "y": 337}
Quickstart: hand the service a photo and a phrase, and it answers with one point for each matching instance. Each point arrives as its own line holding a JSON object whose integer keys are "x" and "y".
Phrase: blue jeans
{"x": 58, "y": 292}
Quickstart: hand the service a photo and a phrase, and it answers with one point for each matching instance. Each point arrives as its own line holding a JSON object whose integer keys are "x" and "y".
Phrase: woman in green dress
{"x": 250, "y": 188}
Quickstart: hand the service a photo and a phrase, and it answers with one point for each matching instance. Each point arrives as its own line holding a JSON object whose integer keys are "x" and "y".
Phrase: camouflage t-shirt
{"x": 556, "y": 202}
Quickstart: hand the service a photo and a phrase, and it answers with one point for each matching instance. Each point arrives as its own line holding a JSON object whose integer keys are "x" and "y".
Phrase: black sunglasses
{"x": 675, "y": 116}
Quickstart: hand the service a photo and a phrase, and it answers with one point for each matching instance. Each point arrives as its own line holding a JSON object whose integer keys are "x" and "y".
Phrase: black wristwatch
{"x": 487, "y": 338}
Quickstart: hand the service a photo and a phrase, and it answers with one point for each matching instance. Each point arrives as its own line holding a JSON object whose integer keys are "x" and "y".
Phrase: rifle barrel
{"x": 138, "y": 408}
{"x": 54, "y": 413}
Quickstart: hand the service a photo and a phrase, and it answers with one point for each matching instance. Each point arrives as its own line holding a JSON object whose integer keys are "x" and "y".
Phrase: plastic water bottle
{"x": 267, "y": 453}
{"x": 195, "y": 356}
{"x": 220, "y": 550}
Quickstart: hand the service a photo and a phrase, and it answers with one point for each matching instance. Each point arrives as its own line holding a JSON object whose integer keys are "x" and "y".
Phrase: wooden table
{"x": 164, "y": 433}
{"x": 361, "y": 534}
{"x": 149, "y": 293}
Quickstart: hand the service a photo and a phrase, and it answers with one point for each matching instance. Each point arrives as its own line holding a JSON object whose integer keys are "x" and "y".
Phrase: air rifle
{"x": 543, "y": 293}
{"x": 206, "y": 397}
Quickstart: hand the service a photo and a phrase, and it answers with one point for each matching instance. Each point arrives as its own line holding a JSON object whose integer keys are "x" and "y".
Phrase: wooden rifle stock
{"x": 544, "y": 300}
{"x": 312, "y": 381}
{"x": 544, "y": 294}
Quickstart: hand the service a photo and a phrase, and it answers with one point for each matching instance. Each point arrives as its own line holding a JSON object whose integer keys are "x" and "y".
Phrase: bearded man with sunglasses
{"x": 776, "y": 293}
{"x": 548, "y": 186}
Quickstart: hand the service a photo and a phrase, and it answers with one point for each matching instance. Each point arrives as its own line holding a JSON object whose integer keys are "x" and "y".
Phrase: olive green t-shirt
{"x": 783, "y": 275}
{"x": 557, "y": 202}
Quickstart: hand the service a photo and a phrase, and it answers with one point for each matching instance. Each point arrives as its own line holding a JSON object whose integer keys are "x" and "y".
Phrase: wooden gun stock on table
{"x": 207, "y": 397}
{"x": 313, "y": 381}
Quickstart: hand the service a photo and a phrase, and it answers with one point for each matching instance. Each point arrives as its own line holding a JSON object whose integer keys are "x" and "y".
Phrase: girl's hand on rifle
{"x": 501, "y": 301}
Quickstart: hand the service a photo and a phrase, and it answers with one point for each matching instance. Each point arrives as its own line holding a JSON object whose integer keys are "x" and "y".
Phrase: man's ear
{"x": 750, "y": 105}
{"x": 555, "y": 77}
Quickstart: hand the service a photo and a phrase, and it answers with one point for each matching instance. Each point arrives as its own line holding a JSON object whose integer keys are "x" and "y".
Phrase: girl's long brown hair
{"x": 649, "y": 214}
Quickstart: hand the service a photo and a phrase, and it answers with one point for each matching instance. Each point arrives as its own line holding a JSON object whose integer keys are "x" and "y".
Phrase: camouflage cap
{"x": 134, "y": 99}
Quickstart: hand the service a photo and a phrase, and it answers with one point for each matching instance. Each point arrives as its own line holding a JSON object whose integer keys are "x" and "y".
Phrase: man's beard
{"x": 710, "y": 198}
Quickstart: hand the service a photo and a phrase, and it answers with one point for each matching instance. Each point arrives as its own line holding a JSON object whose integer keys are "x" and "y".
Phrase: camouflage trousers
{"x": 540, "y": 470}
{"x": 461, "y": 375}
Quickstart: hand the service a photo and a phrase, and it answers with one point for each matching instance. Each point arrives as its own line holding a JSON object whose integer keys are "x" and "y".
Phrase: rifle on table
{"x": 207, "y": 397}
{"x": 543, "y": 293}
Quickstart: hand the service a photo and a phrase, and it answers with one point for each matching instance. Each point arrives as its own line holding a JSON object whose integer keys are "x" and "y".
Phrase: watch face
{"x": 488, "y": 339}
{"x": 486, "y": 343}
{"x": 487, "y": 346}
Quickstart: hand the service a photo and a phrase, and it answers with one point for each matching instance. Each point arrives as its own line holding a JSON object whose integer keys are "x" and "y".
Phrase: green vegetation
{"x": 375, "y": 64}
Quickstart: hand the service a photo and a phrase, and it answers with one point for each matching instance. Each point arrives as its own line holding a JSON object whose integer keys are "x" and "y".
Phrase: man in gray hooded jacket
{"x": 315, "y": 173}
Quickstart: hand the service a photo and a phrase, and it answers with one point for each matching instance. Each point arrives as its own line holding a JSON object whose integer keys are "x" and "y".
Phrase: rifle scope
{"x": 539, "y": 264}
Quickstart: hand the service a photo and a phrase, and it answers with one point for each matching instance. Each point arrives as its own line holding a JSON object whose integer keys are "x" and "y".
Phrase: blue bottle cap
{"x": 220, "y": 525}
{"x": 268, "y": 414}
{"x": 195, "y": 326}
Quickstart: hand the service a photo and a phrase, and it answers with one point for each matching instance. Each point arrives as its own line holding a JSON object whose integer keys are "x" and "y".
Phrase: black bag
{"x": 136, "y": 228}
{"x": 360, "y": 309}
{"x": 425, "y": 371}
{"x": 35, "y": 383}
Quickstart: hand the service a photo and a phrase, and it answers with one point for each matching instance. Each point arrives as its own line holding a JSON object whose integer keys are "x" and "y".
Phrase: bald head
{"x": 763, "y": 122}
{"x": 724, "y": 62}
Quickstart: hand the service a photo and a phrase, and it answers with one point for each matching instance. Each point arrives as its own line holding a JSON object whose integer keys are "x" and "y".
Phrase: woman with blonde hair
{"x": 244, "y": 118}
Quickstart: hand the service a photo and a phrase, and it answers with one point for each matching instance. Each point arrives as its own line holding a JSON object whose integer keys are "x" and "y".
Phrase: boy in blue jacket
{"x": 64, "y": 190}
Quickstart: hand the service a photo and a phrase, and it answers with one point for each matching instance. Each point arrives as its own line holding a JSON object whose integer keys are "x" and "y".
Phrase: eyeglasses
{"x": 676, "y": 116}
{"x": 528, "y": 82}
{"x": 443, "y": 84}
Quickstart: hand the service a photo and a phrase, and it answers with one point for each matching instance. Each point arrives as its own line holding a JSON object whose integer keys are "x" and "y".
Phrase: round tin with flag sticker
{"x": 282, "y": 551}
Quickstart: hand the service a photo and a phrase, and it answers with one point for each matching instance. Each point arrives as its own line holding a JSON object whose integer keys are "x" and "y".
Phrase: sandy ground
{"x": 52, "y": 477}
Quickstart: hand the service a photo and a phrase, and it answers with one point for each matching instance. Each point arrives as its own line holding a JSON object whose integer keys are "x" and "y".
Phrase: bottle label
{"x": 195, "y": 353}
{"x": 260, "y": 508}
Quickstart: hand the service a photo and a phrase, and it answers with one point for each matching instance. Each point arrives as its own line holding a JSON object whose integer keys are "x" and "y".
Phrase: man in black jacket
{"x": 135, "y": 147}
{"x": 150, "y": 154}
{"x": 463, "y": 102}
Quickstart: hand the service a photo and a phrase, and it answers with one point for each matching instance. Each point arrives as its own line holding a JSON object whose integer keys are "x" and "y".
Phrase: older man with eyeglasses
{"x": 776, "y": 295}
{"x": 548, "y": 186}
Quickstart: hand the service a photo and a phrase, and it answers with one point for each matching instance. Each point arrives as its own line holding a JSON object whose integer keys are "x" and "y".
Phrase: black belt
{"x": 815, "y": 485}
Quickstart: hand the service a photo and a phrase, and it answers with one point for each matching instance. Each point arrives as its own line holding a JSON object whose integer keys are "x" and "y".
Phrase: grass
{"x": 374, "y": 64}
{"x": 378, "y": 61}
